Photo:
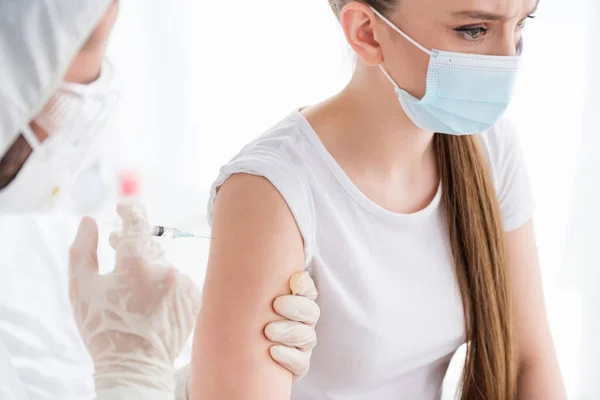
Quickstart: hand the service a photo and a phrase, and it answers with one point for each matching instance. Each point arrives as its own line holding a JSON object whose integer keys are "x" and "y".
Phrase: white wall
{"x": 581, "y": 259}
{"x": 548, "y": 111}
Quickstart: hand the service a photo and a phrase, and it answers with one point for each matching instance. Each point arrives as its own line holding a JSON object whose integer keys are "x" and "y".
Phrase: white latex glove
{"x": 135, "y": 320}
{"x": 295, "y": 334}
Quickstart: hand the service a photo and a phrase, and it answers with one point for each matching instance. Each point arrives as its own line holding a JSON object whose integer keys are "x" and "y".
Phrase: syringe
{"x": 163, "y": 231}
{"x": 130, "y": 187}
{"x": 172, "y": 233}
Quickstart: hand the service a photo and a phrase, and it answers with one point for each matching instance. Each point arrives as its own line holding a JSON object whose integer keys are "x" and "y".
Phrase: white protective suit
{"x": 38, "y": 41}
{"x": 36, "y": 324}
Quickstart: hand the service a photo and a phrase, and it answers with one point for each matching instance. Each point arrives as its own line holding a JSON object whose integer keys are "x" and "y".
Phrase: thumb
{"x": 84, "y": 250}
{"x": 302, "y": 284}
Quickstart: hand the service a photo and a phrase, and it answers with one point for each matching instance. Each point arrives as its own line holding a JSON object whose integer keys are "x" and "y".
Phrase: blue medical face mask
{"x": 466, "y": 93}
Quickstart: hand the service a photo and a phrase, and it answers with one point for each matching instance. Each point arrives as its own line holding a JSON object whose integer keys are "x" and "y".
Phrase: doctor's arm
{"x": 538, "y": 371}
{"x": 257, "y": 247}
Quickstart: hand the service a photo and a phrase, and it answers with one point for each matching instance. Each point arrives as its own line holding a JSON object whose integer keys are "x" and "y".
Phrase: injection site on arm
{"x": 257, "y": 248}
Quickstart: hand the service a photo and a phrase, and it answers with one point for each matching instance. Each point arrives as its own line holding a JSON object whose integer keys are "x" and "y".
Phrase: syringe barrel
{"x": 157, "y": 230}
{"x": 165, "y": 232}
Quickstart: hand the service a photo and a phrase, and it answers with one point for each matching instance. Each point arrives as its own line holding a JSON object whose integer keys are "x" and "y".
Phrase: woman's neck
{"x": 386, "y": 156}
{"x": 365, "y": 124}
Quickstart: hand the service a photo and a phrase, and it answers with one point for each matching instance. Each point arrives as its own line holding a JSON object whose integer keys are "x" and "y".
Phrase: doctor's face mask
{"x": 74, "y": 119}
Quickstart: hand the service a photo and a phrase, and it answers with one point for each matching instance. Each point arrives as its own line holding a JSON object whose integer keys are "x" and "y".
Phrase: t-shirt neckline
{"x": 313, "y": 138}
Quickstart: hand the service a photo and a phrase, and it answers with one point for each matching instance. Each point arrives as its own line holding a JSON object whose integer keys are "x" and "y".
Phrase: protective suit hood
{"x": 38, "y": 41}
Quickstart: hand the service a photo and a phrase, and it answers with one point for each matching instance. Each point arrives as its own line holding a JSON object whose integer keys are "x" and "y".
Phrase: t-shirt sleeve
{"x": 286, "y": 178}
{"x": 510, "y": 175}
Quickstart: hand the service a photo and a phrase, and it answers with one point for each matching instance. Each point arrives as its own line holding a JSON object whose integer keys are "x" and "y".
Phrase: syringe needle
{"x": 162, "y": 231}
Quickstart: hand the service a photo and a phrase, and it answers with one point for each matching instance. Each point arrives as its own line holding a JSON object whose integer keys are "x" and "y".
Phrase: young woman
{"x": 407, "y": 199}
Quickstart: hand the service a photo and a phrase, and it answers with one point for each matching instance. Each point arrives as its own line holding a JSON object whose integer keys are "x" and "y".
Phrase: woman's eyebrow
{"x": 488, "y": 16}
{"x": 479, "y": 14}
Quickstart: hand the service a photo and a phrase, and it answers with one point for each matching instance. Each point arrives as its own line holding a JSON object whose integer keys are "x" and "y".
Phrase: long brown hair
{"x": 479, "y": 251}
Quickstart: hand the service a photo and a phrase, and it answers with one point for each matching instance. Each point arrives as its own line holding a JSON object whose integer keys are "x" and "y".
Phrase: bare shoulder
{"x": 251, "y": 212}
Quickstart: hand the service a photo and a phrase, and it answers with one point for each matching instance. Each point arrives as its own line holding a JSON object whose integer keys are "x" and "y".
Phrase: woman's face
{"x": 490, "y": 27}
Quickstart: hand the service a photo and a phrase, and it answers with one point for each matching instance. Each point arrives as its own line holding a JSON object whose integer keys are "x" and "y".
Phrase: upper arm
{"x": 530, "y": 310}
{"x": 256, "y": 248}
{"x": 539, "y": 374}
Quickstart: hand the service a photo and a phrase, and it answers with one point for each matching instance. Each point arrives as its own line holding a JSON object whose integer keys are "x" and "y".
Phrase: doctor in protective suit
{"x": 56, "y": 92}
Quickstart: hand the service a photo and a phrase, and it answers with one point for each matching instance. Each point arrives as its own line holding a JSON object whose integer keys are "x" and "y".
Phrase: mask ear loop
{"x": 32, "y": 140}
{"x": 411, "y": 40}
{"x": 394, "y": 27}
{"x": 389, "y": 77}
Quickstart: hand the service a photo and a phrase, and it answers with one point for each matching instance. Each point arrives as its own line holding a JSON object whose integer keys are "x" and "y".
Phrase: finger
{"x": 114, "y": 239}
{"x": 292, "y": 359}
{"x": 302, "y": 284}
{"x": 87, "y": 235}
{"x": 297, "y": 308}
{"x": 84, "y": 250}
{"x": 292, "y": 334}
{"x": 134, "y": 217}
{"x": 83, "y": 258}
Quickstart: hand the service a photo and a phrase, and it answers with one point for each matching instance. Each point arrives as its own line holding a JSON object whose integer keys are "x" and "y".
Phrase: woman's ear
{"x": 361, "y": 28}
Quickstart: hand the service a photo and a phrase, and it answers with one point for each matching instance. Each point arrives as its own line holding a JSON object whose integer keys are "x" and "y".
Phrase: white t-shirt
{"x": 392, "y": 314}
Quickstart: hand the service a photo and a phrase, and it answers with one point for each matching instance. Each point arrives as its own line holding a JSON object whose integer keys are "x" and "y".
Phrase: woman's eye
{"x": 472, "y": 33}
{"x": 521, "y": 24}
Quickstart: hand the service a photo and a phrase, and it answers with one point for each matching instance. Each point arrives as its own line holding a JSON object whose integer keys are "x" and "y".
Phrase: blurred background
{"x": 203, "y": 78}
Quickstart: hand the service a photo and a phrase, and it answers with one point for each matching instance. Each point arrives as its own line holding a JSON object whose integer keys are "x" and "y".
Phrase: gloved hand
{"x": 125, "y": 321}
{"x": 296, "y": 333}
{"x": 135, "y": 320}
